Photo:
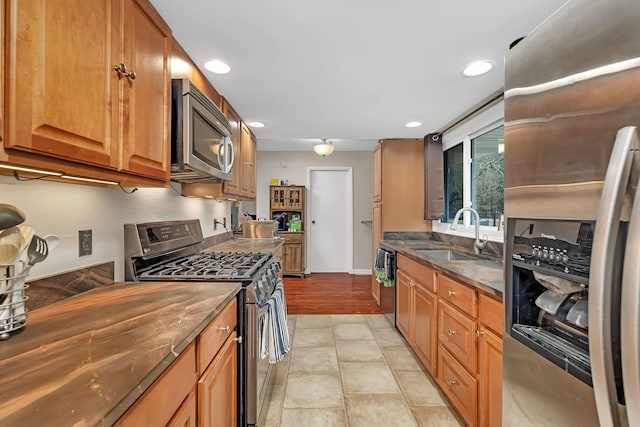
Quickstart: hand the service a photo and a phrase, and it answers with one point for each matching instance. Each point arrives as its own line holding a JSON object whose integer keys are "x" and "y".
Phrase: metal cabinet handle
{"x": 479, "y": 333}
{"x": 451, "y": 293}
{"x": 452, "y": 382}
{"x": 238, "y": 339}
{"x": 451, "y": 332}
{"x": 122, "y": 70}
{"x": 225, "y": 328}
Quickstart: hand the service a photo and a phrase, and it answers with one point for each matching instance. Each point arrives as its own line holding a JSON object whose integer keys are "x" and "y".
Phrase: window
{"x": 487, "y": 178}
{"x": 478, "y": 182}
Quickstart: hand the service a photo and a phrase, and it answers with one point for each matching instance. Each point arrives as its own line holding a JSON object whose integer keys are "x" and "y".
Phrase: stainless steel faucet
{"x": 478, "y": 245}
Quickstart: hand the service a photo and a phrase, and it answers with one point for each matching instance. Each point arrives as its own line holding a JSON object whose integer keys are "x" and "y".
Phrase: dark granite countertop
{"x": 86, "y": 359}
{"x": 484, "y": 273}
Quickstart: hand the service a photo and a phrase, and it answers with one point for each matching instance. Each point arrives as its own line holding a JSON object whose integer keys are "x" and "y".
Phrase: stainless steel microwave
{"x": 201, "y": 146}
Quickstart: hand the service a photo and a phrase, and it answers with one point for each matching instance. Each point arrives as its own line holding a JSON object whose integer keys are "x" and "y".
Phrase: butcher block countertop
{"x": 86, "y": 359}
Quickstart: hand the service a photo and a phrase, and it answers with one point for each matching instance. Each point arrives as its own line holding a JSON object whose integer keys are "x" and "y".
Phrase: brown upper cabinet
{"x": 88, "y": 89}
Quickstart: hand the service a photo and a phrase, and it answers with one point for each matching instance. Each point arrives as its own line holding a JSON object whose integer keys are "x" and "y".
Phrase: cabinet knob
{"x": 238, "y": 339}
{"x": 451, "y": 332}
{"x": 122, "y": 70}
{"x": 451, "y": 293}
{"x": 452, "y": 382}
{"x": 479, "y": 333}
{"x": 225, "y": 328}
{"x": 313, "y": 222}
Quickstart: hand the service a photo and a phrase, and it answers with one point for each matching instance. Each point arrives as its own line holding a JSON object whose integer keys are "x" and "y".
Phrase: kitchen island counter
{"x": 484, "y": 273}
{"x": 85, "y": 360}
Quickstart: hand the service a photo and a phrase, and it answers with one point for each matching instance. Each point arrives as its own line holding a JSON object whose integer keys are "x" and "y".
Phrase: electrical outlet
{"x": 85, "y": 244}
{"x": 224, "y": 222}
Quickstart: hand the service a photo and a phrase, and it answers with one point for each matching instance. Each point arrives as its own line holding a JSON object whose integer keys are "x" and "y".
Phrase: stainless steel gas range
{"x": 172, "y": 250}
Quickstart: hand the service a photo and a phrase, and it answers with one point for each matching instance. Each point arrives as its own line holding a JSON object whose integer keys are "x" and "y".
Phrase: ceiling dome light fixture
{"x": 217, "y": 66}
{"x": 413, "y": 124}
{"x": 256, "y": 124}
{"x": 477, "y": 68}
{"x": 324, "y": 148}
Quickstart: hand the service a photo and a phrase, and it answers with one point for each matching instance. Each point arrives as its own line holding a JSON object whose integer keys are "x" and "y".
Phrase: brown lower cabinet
{"x": 199, "y": 387}
{"x": 293, "y": 253}
{"x": 456, "y": 331}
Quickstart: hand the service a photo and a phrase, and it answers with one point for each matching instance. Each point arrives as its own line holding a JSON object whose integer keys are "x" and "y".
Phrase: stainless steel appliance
{"x": 201, "y": 146}
{"x": 572, "y": 287}
{"x": 385, "y": 271}
{"x": 170, "y": 250}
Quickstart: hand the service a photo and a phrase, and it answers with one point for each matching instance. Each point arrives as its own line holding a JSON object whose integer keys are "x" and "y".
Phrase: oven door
{"x": 259, "y": 370}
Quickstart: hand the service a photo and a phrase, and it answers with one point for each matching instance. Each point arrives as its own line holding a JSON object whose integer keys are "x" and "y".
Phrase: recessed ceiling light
{"x": 413, "y": 124}
{"x": 477, "y": 68}
{"x": 256, "y": 124}
{"x": 217, "y": 66}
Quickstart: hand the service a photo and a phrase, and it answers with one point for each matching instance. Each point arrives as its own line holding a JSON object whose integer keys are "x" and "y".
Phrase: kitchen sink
{"x": 446, "y": 255}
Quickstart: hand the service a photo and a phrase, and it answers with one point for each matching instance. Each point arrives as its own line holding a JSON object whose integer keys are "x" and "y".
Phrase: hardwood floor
{"x": 330, "y": 293}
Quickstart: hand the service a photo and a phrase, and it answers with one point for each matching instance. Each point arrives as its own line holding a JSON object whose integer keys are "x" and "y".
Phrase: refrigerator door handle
{"x": 605, "y": 237}
{"x": 630, "y": 314}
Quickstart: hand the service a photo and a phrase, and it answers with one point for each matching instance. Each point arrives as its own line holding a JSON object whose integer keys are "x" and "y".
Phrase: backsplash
{"x": 65, "y": 209}
{"x": 493, "y": 248}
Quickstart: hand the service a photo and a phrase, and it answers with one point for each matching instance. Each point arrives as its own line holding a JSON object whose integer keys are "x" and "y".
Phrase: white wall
{"x": 64, "y": 209}
{"x": 292, "y": 166}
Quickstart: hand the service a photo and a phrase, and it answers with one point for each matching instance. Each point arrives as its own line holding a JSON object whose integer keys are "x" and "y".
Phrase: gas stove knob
{"x": 558, "y": 257}
{"x": 565, "y": 257}
{"x": 535, "y": 252}
{"x": 545, "y": 253}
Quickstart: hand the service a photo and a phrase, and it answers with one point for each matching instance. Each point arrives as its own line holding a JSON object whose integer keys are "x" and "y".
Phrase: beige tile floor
{"x": 352, "y": 371}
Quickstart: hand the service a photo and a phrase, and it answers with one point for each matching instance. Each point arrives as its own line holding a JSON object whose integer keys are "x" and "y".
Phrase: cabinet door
{"x": 377, "y": 173}
{"x": 403, "y": 304}
{"x": 489, "y": 379}
{"x": 425, "y": 335}
{"x": 293, "y": 258}
{"x": 62, "y": 90}
{"x": 217, "y": 404}
{"x": 457, "y": 333}
{"x": 232, "y": 188}
{"x": 187, "y": 415}
{"x": 146, "y": 100}
{"x": 248, "y": 162}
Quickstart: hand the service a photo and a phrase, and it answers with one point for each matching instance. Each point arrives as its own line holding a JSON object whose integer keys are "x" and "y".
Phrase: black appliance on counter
{"x": 172, "y": 250}
{"x": 281, "y": 218}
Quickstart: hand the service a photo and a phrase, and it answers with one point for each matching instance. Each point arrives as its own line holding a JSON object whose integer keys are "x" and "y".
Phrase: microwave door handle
{"x": 630, "y": 313}
{"x": 232, "y": 151}
{"x": 601, "y": 275}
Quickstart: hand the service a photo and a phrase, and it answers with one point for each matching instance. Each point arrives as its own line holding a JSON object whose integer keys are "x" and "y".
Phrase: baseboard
{"x": 361, "y": 271}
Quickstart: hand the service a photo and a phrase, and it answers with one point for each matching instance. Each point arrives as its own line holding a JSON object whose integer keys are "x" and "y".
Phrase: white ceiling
{"x": 352, "y": 71}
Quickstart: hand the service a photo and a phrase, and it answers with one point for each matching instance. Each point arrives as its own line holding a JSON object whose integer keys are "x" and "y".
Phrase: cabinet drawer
{"x": 457, "y": 294}
{"x": 490, "y": 313}
{"x": 292, "y": 238}
{"x": 459, "y": 386}
{"x": 456, "y": 332}
{"x": 418, "y": 272}
{"x": 159, "y": 403}
{"x": 211, "y": 339}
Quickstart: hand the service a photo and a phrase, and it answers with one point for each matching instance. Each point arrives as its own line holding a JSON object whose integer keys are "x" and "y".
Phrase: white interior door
{"x": 330, "y": 220}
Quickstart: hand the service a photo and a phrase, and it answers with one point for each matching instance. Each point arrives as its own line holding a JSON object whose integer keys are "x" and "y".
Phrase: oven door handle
{"x": 601, "y": 273}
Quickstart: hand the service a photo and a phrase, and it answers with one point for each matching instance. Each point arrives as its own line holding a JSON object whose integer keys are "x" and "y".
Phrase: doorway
{"x": 330, "y": 220}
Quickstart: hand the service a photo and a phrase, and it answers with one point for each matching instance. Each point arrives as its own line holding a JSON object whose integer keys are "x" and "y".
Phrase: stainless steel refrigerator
{"x": 572, "y": 243}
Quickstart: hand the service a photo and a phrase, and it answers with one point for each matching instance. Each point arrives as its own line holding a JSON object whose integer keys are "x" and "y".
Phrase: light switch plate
{"x": 85, "y": 244}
